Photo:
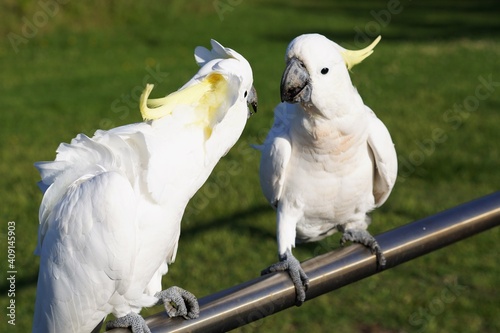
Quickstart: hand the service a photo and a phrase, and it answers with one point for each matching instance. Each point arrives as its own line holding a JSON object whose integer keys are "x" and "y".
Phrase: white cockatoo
{"x": 112, "y": 206}
{"x": 328, "y": 160}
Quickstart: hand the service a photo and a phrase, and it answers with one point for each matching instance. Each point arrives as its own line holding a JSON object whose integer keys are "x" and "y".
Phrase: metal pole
{"x": 265, "y": 295}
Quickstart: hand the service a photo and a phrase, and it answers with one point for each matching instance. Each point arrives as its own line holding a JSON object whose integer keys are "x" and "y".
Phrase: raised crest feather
{"x": 194, "y": 95}
{"x": 352, "y": 58}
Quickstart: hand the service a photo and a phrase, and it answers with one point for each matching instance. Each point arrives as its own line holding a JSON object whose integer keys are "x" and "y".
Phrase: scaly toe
{"x": 133, "y": 320}
{"x": 179, "y": 302}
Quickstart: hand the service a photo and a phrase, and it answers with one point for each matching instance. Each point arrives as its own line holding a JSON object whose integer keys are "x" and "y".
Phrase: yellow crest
{"x": 352, "y": 58}
{"x": 207, "y": 95}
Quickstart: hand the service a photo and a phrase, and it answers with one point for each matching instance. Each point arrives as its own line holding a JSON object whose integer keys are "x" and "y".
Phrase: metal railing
{"x": 265, "y": 295}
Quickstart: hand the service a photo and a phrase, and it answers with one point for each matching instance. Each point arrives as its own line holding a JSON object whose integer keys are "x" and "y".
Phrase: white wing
{"x": 86, "y": 253}
{"x": 276, "y": 152}
{"x": 385, "y": 159}
{"x": 88, "y": 227}
{"x": 122, "y": 149}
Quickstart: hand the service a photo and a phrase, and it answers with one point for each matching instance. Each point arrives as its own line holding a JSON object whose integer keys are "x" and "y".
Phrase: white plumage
{"x": 328, "y": 160}
{"x": 112, "y": 205}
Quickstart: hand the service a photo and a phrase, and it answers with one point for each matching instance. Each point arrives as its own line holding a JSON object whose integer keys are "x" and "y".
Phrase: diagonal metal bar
{"x": 265, "y": 295}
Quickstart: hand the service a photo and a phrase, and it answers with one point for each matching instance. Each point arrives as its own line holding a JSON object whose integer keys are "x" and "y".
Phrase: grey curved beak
{"x": 253, "y": 100}
{"x": 295, "y": 83}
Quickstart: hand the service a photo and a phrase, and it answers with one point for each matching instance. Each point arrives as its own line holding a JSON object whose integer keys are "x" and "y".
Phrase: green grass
{"x": 75, "y": 73}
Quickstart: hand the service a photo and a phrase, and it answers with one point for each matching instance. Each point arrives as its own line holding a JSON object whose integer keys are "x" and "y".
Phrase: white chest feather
{"x": 330, "y": 170}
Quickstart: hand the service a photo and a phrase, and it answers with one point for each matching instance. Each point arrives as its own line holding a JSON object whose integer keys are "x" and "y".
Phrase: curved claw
{"x": 177, "y": 301}
{"x": 363, "y": 237}
{"x": 299, "y": 278}
{"x": 133, "y": 320}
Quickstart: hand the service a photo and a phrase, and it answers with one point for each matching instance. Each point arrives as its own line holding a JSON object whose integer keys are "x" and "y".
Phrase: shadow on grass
{"x": 398, "y": 20}
{"x": 236, "y": 222}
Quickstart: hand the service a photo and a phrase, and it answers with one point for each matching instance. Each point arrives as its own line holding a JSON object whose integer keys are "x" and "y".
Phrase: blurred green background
{"x": 69, "y": 67}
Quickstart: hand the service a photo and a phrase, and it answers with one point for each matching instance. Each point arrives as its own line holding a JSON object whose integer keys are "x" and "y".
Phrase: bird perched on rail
{"x": 327, "y": 160}
{"x": 112, "y": 206}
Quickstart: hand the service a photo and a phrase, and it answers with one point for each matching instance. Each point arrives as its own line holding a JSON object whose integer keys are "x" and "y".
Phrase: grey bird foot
{"x": 299, "y": 278}
{"x": 179, "y": 302}
{"x": 133, "y": 320}
{"x": 363, "y": 237}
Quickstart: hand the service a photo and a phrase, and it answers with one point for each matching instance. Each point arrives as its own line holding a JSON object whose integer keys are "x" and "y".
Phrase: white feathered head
{"x": 312, "y": 60}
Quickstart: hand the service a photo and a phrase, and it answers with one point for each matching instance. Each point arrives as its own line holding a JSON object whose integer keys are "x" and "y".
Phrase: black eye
{"x": 245, "y": 95}
{"x": 324, "y": 71}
